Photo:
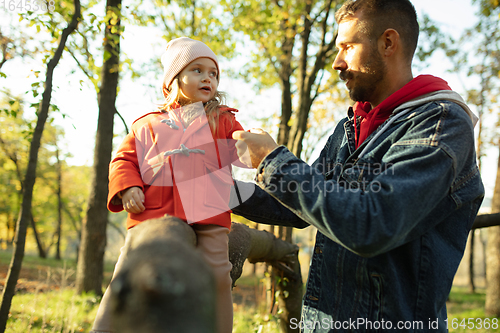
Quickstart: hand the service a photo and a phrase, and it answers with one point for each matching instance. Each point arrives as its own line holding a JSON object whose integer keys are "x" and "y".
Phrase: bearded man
{"x": 393, "y": 193}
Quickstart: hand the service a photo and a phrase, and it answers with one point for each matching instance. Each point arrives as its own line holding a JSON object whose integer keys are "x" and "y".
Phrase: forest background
{"x": 459, "y": 43}
{"x": 74, "y": 95}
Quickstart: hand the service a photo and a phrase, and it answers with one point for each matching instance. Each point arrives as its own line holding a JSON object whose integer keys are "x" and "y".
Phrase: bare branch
{"x": 123, "y": 120}
{"x": 486, "y": 220}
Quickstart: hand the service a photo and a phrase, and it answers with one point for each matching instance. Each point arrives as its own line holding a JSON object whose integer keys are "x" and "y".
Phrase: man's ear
{"x": 389, "y": 42}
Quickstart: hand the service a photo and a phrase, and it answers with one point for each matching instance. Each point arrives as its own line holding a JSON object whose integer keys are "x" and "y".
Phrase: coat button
{"x": 312, "y": 298}
{"x": 318, "y": 250}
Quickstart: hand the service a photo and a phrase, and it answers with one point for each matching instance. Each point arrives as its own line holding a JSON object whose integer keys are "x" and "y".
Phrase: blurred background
{"x": 275, "y": 59}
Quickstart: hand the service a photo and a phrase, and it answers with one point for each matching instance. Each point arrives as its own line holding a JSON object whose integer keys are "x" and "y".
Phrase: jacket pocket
{"x": 153, "y": 196}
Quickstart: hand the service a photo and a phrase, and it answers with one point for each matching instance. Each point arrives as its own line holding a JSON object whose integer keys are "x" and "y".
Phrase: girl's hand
{"x": 133, "y": 200}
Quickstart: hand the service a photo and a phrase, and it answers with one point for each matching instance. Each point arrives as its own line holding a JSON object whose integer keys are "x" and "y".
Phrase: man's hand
{"x": 253, "y": 146}
{"x": 133, "y": 200}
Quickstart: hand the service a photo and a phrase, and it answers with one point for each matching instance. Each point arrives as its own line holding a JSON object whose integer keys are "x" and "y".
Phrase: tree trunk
{"x": 29, "y": 180}
{"x": 41, "y": 251}
{"x": 59, "y": 207}
{"x": 165, "y": 285}
{"x": 93, "y": 242}
{"x": 300, "y": 125}
{"x": 472, "y": 287}
{"x": 492, "y": 306}
{"x": 153, "y": 291}
{"x": 290, "y": 289}
{"x": 308, "y": 76}
{"x": 193, "y": 19}
{"x": 284, "y": 139}
{"x": 289, "y": 285}
{"x": 286, "y": 112}
{"x": 286, "y": 86}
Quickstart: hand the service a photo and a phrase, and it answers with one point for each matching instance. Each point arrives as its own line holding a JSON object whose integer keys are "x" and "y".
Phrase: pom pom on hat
{"x": 181, "y": 52}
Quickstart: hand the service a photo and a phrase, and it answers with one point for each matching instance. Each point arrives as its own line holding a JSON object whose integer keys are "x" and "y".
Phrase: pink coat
{"x": 184, "y": 172}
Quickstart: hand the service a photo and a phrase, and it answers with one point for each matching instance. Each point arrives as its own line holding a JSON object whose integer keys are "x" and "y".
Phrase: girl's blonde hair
{"x": 173, "y": 95}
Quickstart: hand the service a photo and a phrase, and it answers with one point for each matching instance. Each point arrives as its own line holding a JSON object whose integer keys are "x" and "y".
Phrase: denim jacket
{"x": 393, "y": 217}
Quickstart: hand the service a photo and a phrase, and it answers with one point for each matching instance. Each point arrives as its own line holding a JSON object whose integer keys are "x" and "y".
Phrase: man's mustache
{"x": 345, "y": 75}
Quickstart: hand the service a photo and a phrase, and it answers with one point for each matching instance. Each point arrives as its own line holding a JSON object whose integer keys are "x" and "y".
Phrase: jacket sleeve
{"x": 123, "y": 172}
{"x": 261, "y": 207}
{"x": 397, "y": 205}
{"x": 230, "y": 125}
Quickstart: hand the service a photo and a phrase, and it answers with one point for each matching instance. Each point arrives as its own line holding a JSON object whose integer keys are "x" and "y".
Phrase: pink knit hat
{"x": 181, "y": 52}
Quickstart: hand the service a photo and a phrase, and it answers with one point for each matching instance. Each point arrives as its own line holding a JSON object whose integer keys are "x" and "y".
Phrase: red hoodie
{"x": 373, "y": 118}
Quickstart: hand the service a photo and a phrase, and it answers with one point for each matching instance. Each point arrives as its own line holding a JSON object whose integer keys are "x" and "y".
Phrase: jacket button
{"x": 318, "y": 250}
{"x": 312, "y": 298}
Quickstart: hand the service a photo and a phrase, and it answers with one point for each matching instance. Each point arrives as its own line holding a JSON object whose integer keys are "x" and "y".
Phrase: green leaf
{"x": 107, "y": 55}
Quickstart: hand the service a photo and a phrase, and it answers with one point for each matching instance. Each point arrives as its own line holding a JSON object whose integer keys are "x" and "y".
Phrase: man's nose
{"x": 339, "y": 63}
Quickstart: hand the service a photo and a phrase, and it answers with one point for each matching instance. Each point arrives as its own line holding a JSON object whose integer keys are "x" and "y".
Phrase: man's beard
{"x": 372, "y": 73}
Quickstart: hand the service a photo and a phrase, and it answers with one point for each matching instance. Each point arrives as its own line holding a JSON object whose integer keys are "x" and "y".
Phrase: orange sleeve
{"x": 123, "y": 172}
{"x": 234, "y": 126}
{"x": 231, "y": 125}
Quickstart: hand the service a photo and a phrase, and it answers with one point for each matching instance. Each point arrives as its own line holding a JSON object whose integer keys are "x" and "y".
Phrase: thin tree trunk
{"x": 472, "y": 287}
{"x": 286, "y": 86}
{"x": 290, "y": 290}
{"x": 300, "y": 125}
{"x": 492, "y": 306}
{"x": 283, "y": 139}
{"x": 41, "y": 251}
{"x": 29, "y": 180}
{"x": 59, "y": 207}
{"x": 93, "y": 243}
{"x": 193, "y": 19}
{"x": 307, "y": 77}
{"x": 286, "y": 112}
{"x": 479, "y": 153}
{"x": 11, "y": 225}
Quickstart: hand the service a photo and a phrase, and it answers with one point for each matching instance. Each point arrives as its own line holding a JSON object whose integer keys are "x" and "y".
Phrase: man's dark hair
{"x": 381, "y": 15}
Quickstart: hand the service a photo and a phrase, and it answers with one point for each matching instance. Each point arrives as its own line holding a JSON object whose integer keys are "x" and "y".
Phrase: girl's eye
{"x": 214, "y": 74}
{"x": 197, "y": 70}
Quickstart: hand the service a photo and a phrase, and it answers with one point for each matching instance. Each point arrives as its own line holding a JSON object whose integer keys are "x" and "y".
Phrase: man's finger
{"x": 241, "y": 146}
{"x": 239, "y": 135}
{"x": 257, "y": 130}
{"x": 243, "y": 153}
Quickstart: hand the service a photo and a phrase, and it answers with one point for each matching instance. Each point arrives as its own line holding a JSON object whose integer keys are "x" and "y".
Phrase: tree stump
{"x": 165, "y": 285}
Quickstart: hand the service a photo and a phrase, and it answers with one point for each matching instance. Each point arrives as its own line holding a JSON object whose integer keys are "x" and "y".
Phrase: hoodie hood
{"x": 448, "y": 95}
{"x": 405, "y": 108}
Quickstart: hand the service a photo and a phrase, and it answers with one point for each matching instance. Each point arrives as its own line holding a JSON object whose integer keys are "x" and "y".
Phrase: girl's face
{"x": 198, "y": 81}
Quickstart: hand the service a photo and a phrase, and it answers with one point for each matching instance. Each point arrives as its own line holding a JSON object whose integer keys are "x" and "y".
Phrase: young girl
{"x": 177, "y": 161}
